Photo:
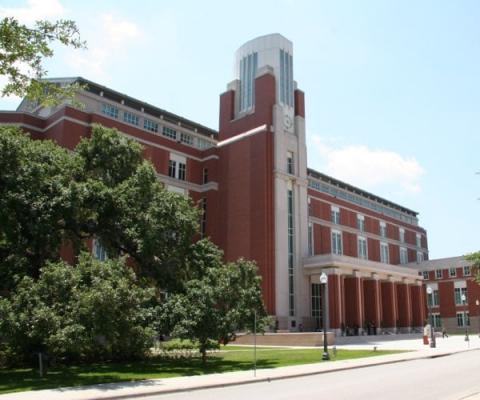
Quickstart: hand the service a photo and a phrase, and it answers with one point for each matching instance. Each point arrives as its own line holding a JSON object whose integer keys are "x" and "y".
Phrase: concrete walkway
{"x": 454, "y": 344}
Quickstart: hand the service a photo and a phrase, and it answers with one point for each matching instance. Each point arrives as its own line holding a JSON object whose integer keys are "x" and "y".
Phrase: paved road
{"x": 453, "y": 377}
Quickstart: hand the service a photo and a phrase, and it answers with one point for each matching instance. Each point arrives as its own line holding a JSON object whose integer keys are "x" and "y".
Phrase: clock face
{"x": 287, "y": 121}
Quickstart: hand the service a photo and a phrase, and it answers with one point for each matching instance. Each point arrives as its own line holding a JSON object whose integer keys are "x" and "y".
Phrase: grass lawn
{"x": 231, "y": 358}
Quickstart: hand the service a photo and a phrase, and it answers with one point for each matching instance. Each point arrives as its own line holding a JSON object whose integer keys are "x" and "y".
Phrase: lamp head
{"x": 323, "y": 278}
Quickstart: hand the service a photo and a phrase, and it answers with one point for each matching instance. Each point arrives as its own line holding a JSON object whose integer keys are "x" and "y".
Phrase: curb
{"x": 252, "y": 380}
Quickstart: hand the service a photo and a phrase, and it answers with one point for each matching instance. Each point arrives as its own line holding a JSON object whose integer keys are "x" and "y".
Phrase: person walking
{"x": 444, "y": 333}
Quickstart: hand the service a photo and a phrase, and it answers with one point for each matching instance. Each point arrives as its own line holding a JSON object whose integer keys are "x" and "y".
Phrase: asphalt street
{"x": 452, "y": 377}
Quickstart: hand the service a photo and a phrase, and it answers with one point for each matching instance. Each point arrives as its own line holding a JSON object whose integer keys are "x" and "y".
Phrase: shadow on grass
{"x": 15, "y": 380}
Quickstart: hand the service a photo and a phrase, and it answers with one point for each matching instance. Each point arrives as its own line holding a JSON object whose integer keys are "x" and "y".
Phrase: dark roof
{"x": 361, "y": 192}
{"x": 113, "y": 95}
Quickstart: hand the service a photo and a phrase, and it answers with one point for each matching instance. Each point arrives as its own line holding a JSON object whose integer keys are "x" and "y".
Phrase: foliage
{"x": 474, "y": 258}
{"x": 216, "y": 306}
{"x": 49, "y": 196}
{"x": 22, "y": 51}
{"x": 36, "y": 179}
{"x": 93, "y": 311}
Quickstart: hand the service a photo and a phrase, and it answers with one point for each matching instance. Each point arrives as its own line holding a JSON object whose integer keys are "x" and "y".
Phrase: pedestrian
{"x": 444, "y": 333}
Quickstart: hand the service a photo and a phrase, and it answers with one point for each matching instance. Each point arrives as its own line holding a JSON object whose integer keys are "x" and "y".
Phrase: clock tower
{"x": 263, "y": 189}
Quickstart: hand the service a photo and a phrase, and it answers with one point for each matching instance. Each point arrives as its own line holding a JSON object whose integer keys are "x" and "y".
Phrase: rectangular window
{"x": 384, "y": 256}
{"x": 99, "y": 251}
{"x": 459, "y": 293}
{"x": 466, "y": 270}
{"x": 186, "y": 138}
{"x": 433, "y": 299}
{"x": 335, "y": 214}
{"x": 463, "y": 319}
{"x": 317, "y": 304}
{"x": 438, "y": 274}
{"x": 337, "y": 242}
{"x": 130, "y": 118}
{"x": 290, "y": 163}
{"x": 403, "y": 255}
{"x": 437, "y": 320}
{"x": 110, "y": 110}
{"x": 425, "y": 275}
{"x": 169, "y": 133}
{"x": 401, "y": 234}
{"x": 205, "y": 175}
{"x": 360, "y": 223}
{"x": 310, "y": 240}
{"x": 181, "y": 171}
{"x": 203, "y": 221}
{"x": 172, "y": 168}
{"x": 383, "y": 229}
{"x": 419, "y": 257}
{"x": 290, "y": 249}
{"x": 419, "y": 240}
{"x": 362, "y": 248}
{"x": 452, "y": 272}
{"x": 150, "y": 125}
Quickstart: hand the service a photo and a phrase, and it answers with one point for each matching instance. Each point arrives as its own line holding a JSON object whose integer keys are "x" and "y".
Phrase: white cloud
{"x": 107, "y": 43}
{"x": 35, "y": 10}
{"x": 372, "y": 169}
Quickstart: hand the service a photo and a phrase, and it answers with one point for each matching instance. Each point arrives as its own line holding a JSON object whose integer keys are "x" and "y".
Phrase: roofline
{"x": 364, "y": 193}
{"x": 142, "y": 104}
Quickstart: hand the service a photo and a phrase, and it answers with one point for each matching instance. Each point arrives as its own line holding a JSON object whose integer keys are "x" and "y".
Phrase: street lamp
{"x": 430, "y": 317}
{"x": 477, "y": 302}
{"x": 323, "y": 282}
{"x": 464, "y": 302}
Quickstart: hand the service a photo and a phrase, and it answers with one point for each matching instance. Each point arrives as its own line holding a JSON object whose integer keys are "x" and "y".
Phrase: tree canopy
{"x": 52, "y": 199}
{"x": 22, "y": 52}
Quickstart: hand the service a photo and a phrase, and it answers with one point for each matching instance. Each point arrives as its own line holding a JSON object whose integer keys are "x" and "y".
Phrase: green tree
{"x": 93, "y": 311}
{"x": 104, "y": 189}
{"x": 36, "y": 178}
{"x": 475, "y": 259}
{"x": 22, "y": 52}
{"x": 216, "y": 306}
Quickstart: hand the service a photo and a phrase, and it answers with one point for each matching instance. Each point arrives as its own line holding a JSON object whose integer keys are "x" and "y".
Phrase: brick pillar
{"x": 372, "y": 301}
{"x": 389, "y": 305}
{"x": 417, "y": 305}
{"x": 354, "y": 309}
{"x": 403, "y": 304}
{"x": 335, "y": 300}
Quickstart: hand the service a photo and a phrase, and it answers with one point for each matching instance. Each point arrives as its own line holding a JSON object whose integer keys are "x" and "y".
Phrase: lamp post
{"x": 477, "y": 302}
{"x": 430, "y": 317}
{"x": 464, "y": 302}
{"x": 323, "y": 282}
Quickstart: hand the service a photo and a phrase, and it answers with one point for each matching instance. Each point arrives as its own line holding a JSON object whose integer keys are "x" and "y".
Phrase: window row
{"x": 152, "y": 126}
{"x": 452, "y": 273}
{"x": 362, "y": 247}
{"x": 335, "y": 219}
{"x": 460, "y": 293}
{"x": 360, "y": 200}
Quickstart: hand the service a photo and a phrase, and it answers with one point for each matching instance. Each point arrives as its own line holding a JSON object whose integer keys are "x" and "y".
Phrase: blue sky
{"x": 392, "y": 87}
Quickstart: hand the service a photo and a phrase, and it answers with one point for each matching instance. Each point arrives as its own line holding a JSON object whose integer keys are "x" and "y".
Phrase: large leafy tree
{"x": 216, "y": 306}
{"x": 36, "y": 178}
{"x": 22, "y": 52}
{"x": 50, "y": 197}
{"x": 94, "y": 311}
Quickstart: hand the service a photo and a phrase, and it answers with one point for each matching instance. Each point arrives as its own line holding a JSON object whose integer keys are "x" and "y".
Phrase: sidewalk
{"x": 123, "y": 390}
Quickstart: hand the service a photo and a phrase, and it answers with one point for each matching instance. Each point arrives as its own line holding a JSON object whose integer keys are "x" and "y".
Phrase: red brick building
{"x": 260, "y": 200}
{"x": 455, "y": 298}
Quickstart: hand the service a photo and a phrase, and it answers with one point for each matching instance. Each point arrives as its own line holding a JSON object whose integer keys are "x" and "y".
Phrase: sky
{"x": 392, "y": 87}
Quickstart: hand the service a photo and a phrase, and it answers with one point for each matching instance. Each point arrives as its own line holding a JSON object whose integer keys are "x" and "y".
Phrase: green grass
{"x": 233, "y": 358}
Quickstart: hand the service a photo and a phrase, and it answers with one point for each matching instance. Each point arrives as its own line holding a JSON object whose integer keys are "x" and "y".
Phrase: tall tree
{"x": 475, "y": 259}
{"x": 215, "y": 307}
{"x": 22, "y": 52}
{"x": 35, "y": 182}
